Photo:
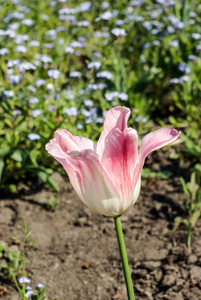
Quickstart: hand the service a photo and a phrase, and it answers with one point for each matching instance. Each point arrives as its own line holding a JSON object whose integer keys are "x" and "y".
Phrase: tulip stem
{"x": 124, "y": 259}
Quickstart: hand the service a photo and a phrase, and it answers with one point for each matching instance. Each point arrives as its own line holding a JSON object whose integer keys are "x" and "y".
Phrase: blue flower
{"x": 119, "y": 32}
{"x": 196, "y": 36}
{"x": 51, "y": 108}
{"x": 26, "y": 66}
{"x": 28, "y": 22}
{"x": 85, "y": 6}
{"x": 40, "y": 82}
{"x": 183, "y": 67}
{"x": 104, "y": 74}
{"x": 100, "y": 120}
{"x": 75, "y": 74}
{"x": 105, "y": 16}
{"x": 8, "y": 94}
{"x": 36, "y": 113}
{"x": 88, "y": 102}
{"x": 71, "y": 112}
{"x": 21, "y": 49}
{"x": 33, "y": 136}
{"x": 21, "y": 38}
{"x": 174, "y": 43}
{"x": 40, "y": 285}
{"x": 4, "y": 51}
{"x": 79, "y": 126}
{"x": 94, "y": 64}
{"x": 69, "y": 50}
{"x": 24, "y": 280}
{"x": 141, "y": 119}
{"x": 14, "y": 79}
{"x": 54, "y": 73}
{"x": 29, "y": 294}
{"x": 33, "y": 100}
{"x": 46, "y": 58}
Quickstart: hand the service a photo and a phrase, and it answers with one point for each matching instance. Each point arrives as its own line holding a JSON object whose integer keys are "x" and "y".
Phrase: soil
{"x": 77, "y": 251}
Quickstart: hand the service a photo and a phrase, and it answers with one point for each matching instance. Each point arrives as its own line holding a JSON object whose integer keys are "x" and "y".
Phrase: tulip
{"x": 107, "y": 176}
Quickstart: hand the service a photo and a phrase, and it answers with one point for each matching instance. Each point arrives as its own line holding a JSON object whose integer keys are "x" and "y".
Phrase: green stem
{"x": 124, "y": 259}
{"x": 18, "y": 287}
{"x": 184, "y": 12}
{"x": 189, "y": 236}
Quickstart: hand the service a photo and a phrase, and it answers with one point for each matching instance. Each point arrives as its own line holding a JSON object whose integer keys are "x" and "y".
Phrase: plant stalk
{"x": 124, "y": 259}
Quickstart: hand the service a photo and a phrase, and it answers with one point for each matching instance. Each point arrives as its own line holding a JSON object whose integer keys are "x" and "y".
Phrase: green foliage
{"x": 52, "y": 203}
{"x": 150, "y": 173}
{"x": 16, "y": 259}
{"x": 39, "y": 294}
{"x": 192, "y": 204}
{"x": 14, "y": 266}
{"x": 14, "y": 263}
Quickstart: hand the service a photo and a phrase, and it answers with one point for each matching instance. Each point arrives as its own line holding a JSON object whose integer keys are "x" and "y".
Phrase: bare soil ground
{"x": 77, "y": 252}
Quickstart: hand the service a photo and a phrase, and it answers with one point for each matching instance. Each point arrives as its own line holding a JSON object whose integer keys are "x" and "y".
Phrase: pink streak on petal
{"x": 119, "y": 158}
{"x": 153, "y": 141}
{"x": 131, "y": 150}
{"x": 94, "y": 183}
{"x": 117, "y": 117}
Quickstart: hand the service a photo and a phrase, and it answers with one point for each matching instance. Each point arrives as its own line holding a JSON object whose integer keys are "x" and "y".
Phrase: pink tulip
{"x": 107, "y": 176}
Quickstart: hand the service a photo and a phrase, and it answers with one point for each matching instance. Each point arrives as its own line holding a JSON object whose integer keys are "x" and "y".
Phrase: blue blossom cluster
{"x": 28, "y": 289}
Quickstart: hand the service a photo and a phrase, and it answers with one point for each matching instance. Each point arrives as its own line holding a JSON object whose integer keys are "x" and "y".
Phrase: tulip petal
{"x": 157, "y": 139}
{"x": 85, "y": 143}
{"x": 55, "y": 150}
{"x": 153, "y": 141}
{"x": 119, "y": 158}
{"x": 117, "y": 117}
{"x": 100, "y": 193}
{"x": 68, "y": 142}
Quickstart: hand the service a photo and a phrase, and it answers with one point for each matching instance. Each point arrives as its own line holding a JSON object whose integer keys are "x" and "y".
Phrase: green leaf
{"x": 53, "y": 184}
{"x": 5, "y": 151}
{"x": 4, "y": 265}
{"x": 2, "y": 164}
{"x": 33, "y": 156}
{"x": 16, "y": 239}
{"x": 10, "y": 255}
{"x": 9, "y": 123}
{"x": 33, "y": 243}
{"x": 184, "y": 186}
{"x": 42, "y": 174}
{"x": 180, "y": 221}
{"x": 28, "y": 234}
{"x": 11, "y": 187}
{"x": 2, "y": 246}
{"x": 19, "y": 155}
{"x": 25, "y": 227}
{"x": 195, "y": 217}
{"x": 198, "y": 167}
